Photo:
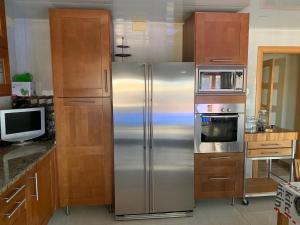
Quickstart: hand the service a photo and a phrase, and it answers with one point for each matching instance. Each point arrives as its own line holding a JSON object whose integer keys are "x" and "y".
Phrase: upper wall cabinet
{"x": 3, "y": 32}
{"x": 5, "y": 81}
{"x": 216, "y": 38}
{"x": 81, "y": 56}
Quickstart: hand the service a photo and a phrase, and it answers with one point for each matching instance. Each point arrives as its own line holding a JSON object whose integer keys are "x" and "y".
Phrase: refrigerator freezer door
{"x": 172, "y": 152}
{"x": 130, "y": 155}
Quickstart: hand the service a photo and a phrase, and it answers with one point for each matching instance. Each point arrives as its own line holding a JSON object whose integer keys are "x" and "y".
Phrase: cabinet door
{"x": 3, "y": 32}
{"x": 218, "y": 175}
{"x": 81, "y": 58}
{"x": 222, "y": 38}
{"x": 84, "y": 150}
{"x": 41, "y": 187}
{"x": 5, "y": 82}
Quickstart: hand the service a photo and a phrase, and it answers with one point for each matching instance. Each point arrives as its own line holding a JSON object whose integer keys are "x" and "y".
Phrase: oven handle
{"x": 223, "y": 116}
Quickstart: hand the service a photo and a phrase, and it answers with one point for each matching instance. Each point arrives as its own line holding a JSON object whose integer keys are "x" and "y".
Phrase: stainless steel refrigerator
{"x": 153, "y": 107}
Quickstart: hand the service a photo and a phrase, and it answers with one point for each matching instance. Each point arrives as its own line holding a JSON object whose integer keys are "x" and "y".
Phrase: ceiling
{"x": 154, "y": 10}
{"x": 264, "y": 13}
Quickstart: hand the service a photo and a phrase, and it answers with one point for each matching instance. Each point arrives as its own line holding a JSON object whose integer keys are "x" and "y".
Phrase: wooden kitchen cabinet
{"x": 13, "y": 204}
{"x": 81, "y": 52}
{"x": 5, "y": 80}
{"x": 218, "y": 175}
{"x": 41, "y": 188}
{"x": 3, "y": 31}
{"x": 84, "y": 156}
{"x": 216, "y": 38}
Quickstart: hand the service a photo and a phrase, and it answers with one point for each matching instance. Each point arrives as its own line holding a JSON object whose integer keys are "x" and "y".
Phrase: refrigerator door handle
{"x": 151, "y": 137}
{"x": 146, "y": 158}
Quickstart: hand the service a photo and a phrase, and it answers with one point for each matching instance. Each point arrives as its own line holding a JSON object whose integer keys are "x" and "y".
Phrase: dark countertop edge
{"x": 30, "y": 167}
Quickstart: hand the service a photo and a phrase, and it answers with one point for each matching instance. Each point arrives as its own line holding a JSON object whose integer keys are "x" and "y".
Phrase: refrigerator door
{"x": 172, "y": 137}
{"x": 131, "y": 165}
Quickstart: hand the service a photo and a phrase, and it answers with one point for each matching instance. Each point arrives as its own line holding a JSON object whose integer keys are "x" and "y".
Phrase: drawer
{"x": 269, "y": 144}
{"x": 216, "y": 163}
{"x": 218, "y": 186}
{"x": 13, "y": 203}
{"x": 274, "y": 152}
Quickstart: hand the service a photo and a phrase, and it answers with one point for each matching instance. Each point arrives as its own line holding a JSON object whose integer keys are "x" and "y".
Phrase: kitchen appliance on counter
{"x": 219, "y": 127}
{"x": 153, "y": 112}
{"x": 221, "y": 80}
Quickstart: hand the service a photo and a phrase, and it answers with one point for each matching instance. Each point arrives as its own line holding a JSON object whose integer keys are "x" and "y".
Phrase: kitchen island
{"x": 277, "y": 144}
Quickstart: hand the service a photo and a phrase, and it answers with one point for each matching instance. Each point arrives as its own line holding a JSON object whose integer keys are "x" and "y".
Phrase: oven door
{"x": 216, "y": 81}
{"x": 219, "y": 132}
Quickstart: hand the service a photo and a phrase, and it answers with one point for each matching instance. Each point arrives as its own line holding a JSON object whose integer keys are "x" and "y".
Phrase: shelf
{"x": 260, "y": 187}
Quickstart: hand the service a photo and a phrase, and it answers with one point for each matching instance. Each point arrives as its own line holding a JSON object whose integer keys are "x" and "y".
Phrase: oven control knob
{"x": 223, "y": 110}
{"x": 229, "y": 110}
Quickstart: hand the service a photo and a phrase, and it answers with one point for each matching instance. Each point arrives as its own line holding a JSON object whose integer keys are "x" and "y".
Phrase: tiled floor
{"x": 217, "y": 212}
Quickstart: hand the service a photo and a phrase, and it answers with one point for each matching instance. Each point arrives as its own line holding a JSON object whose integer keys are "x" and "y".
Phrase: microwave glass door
{"x": 216, "y": 81}
{"x": 219, "y": 127}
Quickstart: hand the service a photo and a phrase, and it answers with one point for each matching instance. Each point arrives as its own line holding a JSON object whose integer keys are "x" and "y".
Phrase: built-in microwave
{"x": 228, "y": 80}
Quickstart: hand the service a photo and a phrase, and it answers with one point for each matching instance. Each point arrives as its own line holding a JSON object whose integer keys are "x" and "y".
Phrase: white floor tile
{"x": 214, "y": 212}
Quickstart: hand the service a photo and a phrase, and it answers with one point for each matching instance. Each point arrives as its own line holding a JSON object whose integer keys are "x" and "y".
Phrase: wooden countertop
{"x": 278, "y": 134}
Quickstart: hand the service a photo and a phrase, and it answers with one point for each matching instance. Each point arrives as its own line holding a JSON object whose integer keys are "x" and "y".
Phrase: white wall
{"x": 160, "y": 42}
{"x": 265, "y": 37}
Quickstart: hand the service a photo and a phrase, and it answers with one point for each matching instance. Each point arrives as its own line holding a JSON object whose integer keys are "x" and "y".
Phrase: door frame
{"x": 264, "y": 50}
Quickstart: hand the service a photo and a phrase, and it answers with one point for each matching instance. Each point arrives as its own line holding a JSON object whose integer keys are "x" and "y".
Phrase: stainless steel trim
{"x": 36, "y": 186}
{"x": 152, "y": 191}
{"x": 223, "y": 116}
{"x": 154, "y": 216}
{"x": 209, "y": 111}
{"x": 9, "y": 215}
{"x": 217, "y": 108}
{"x": 18, "y": 190}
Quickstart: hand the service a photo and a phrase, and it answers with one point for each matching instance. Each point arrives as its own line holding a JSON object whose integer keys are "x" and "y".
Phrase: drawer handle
{"x": 222, "y": 157}
{"x": 83, "y": 101}
{"x": 9, "y": 215}
{"x": 36, "y": 186}
{"x": 221, "y": 60}
{"x": 219, "y": 178}
{"x": 18, "y": 190}
{"x": 268, "y": 153}
{"x": 269, "y": 144}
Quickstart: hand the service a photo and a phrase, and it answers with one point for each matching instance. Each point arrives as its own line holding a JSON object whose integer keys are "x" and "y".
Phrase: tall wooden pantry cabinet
{"x": 81, "y": 59}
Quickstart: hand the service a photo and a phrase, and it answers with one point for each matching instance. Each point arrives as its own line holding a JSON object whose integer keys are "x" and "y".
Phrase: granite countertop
{"x": 16, "y": 160}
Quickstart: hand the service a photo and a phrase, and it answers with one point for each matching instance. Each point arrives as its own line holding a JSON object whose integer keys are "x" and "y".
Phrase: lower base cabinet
{"x": 41, "y": 197}
{"x": 218, "y": 175}
{"x": 31, "y": 200}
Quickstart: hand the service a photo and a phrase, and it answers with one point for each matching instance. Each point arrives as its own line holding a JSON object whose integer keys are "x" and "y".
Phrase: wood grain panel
{"x": 188, "y": 46}
{"x": 222, "y": 38}
{"x": 84, "y": 150}
{"x": 215, "y": 99}
{"x": 274, "y": 136}
{"x": 269, "y": 152}
{"x": 269, "y": 144}
{"x": 81, "y": 59}
{"x": 218, "y": 175}
{"x": 3, "y": 30}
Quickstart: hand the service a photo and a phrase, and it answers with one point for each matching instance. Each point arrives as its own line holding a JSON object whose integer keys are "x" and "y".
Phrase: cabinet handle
{"x": 82, "y": 101}
{"x": 268, "y": 153}
{"x": 219, "y": 178}
{"x": 18, "y": 190}
{"x": 221, "y": 60}
{"x": 36, "y": 186}
{"x": 9, "y": 215}
{"x": 222, "y": 157}
{"x": 106, "y": 85}
{"x": 269, "y": 144}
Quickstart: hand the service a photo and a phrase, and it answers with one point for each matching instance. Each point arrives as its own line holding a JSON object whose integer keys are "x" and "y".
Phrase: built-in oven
{"x": 227, "y": 80}
{"x": 219, "y": 127}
